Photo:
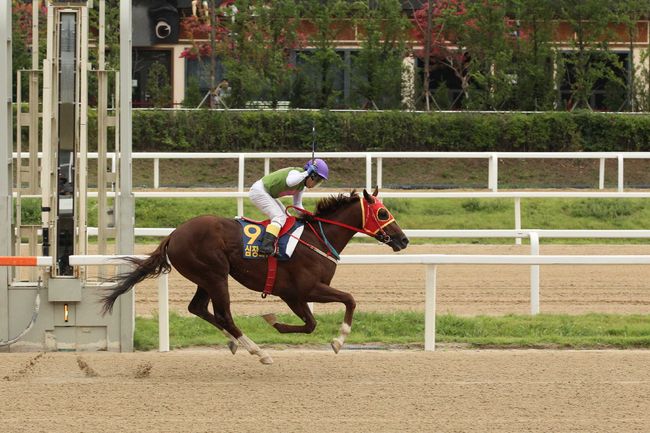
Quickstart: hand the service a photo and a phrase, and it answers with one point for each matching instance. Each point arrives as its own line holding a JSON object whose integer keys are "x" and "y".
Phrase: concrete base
{"x": 68, "y": 325}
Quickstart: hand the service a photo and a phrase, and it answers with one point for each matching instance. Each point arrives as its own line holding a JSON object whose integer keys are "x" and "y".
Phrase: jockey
{"x": 287, "y": 181}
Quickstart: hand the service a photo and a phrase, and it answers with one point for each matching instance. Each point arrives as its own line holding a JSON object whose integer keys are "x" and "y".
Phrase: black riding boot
{"x": 268, "y": 245}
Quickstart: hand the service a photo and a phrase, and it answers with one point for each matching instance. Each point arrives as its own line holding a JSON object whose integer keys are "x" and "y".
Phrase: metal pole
{"x": 126, "y": 203}
{"x": 6, "y": 143}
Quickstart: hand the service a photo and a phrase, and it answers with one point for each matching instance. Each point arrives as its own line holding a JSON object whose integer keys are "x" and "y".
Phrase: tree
{"x": 377, "y": 68}
{"x": 532, "y": 31}
{"x": 319, "y": 68}
{"x": 441, "y": 28}
{"x": 252, "y": 39}
{"x": 590, "y": 60}
{"x": 628, "y": 13}
{"x": 22, "y": 37}
{"x": 158, "y": 87}
{"x": 257, "y": 50}
{"x": 489, "y": 44}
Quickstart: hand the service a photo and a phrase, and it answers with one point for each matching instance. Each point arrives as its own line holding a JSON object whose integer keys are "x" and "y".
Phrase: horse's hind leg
{"x": 223, "y": 319}
{"x": 199, "y": 307}
{"x": 301, "y": 309}
{"x": 324, "y": 293}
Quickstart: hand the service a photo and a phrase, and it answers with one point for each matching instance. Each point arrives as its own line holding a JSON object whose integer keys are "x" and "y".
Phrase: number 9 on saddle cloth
{"x": 252, "y": 232}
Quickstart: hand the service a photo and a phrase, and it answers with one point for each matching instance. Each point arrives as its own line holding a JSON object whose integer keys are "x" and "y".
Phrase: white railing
{"x": 429, "y": 260}
{"x": 492, "y": 159}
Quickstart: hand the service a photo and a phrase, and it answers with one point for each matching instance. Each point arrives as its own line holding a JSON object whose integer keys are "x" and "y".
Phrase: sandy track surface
{"x": 464, "y": 290}
{"x": 317, "y": 391}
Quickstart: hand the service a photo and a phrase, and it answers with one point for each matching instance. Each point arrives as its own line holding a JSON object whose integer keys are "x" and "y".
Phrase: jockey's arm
{"x": 297, "y": 200}
{"x": 295, "y": 177}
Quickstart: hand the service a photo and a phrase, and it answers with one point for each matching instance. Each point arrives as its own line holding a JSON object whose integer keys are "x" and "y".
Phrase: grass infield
{"x": 588, "y": 331}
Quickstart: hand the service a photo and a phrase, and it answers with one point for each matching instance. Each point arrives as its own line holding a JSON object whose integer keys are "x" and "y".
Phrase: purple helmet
{"x": 321, "y": 167}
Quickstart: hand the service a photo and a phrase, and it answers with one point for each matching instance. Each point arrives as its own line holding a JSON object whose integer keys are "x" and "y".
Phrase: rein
{"x": 379, "y": 234}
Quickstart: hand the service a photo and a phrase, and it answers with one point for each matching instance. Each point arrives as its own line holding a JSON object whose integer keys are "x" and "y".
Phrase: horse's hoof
{"x": 336, "y": 345}
{"x": 266, "y": 360}
{"x": 270, "y": 319}
{"x": 233, "y": 347}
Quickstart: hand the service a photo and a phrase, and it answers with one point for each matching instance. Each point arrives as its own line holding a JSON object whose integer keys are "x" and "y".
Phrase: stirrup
{"x": 273, "y": 252}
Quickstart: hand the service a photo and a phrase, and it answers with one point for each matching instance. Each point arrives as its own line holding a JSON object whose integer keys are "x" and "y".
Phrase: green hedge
{"x": 390, "y": 131}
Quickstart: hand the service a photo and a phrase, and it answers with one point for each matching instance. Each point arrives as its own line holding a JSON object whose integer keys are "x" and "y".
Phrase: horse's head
{"x": 379, "y": 222}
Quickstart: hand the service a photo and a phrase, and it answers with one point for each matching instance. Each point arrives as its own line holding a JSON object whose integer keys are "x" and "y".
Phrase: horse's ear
{"x": 368, "y": 197}
{"x": 374, "y": 194}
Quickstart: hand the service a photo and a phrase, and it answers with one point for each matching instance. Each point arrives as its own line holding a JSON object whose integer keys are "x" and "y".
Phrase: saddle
{"x": 252, "y": 232}
{"x": 287, "y": 240}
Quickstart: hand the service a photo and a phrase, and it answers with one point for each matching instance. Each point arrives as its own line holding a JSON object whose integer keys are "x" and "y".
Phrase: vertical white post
{"x": 620, "y": 173}
{"x": 125, "y": 201}
{"x": 493, "y": 172}
{"x": 430, "y": 310}
{"x": 518, "y": 218}
{"x": 6, "y": 169}
{"x": 240, "y": 186}
{"x": 163, "y": 312}
{"x": 368, "y": 173}
{"x": 601, "y": 174}
{"x": 156, "y": 173}
{"x": 534, "y": 275}
{"x": 380, "y": 181}
{"x": 267, "y": 166}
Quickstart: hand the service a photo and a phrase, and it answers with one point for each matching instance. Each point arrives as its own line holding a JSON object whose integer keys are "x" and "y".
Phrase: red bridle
{"x": 372, "y": 223}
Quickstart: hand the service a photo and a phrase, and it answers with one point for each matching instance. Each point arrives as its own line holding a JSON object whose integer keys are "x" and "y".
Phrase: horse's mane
{"x": 329, "y": 204}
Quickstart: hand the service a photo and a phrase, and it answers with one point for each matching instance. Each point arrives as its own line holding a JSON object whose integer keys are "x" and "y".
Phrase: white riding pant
{"x": 268, "y": 205}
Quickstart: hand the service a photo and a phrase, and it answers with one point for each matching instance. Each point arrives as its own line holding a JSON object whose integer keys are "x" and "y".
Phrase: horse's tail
{"x": 150, "y": 267}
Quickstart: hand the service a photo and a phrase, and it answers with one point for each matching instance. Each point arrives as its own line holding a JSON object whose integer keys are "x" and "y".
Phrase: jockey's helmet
{"x": 321, "y": 167}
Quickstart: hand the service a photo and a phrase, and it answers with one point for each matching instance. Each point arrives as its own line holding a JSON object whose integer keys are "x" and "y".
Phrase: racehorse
{"x": 206, "y": 249}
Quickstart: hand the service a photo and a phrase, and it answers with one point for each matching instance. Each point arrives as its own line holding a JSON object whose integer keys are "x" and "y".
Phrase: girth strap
{"x": 270, "y": 276}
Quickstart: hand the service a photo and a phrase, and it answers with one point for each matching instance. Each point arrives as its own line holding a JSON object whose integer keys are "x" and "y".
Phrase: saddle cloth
{"x": 252, "y": 234}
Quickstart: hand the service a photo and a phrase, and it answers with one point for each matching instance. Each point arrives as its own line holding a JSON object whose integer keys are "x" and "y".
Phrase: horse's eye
{"x": 383, "y": 214}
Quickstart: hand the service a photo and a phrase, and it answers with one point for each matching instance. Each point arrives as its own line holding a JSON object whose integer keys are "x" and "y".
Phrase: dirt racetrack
{"x": 309, "y": 390}
{"x": 317, "y": 391}
{"x": 463, "y": 290}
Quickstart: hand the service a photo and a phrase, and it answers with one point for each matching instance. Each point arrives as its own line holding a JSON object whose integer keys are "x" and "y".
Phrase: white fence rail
{"x": 429, "y": 260}
{"x": 533, "y": 235}
{"x": 492, "y": 159}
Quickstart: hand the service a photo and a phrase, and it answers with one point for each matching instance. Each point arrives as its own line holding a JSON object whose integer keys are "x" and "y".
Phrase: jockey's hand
{"x": 307, "y": 218}
{"x": 311, "y": 169}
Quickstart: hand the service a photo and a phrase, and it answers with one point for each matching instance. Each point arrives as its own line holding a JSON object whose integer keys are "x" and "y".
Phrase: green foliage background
{"x": 234, "y": 131}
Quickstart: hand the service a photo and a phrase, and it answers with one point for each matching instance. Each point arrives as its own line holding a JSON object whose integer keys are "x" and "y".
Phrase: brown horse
{"x": 206, "y": 249}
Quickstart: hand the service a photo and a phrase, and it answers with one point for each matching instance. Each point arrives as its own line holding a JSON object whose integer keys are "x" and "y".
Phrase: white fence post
{"x": 534, "y": 274}
{"x": 380, "y": 181}
{"x": 163, "y": 312}
{"x": 620, "y": 173}
{"x": 156, "y": 173}
{"x": 493, "y": 172}
{"x": 518, "y": 218}
{"x": 430, "y": 309}
{"x": 240, "y": 185}
{"x": 601, "y": 174}
{"x": 368, "y": 172}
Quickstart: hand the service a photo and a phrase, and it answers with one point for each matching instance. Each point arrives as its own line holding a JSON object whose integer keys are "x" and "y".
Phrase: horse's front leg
{"x": 324, "y": 293}
{"x": 301, "y": 309}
